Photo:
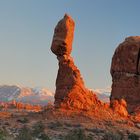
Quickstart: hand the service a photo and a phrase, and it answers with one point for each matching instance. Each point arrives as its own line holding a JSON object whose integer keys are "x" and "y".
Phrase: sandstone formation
{"x": 70, "y": 90}
{"x": 125, "y": 71}
{"x": 119, "y": 106}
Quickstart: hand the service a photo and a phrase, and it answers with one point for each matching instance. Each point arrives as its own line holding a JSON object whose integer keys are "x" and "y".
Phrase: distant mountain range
{"x": 39, "y": 96}
{"x": 27, "y": 95}
{"x": 103, "y": 94}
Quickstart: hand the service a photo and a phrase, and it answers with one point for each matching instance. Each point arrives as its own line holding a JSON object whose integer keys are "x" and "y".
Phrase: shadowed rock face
{"x": 70, "y": 90}
{"x": 125, "y": 71}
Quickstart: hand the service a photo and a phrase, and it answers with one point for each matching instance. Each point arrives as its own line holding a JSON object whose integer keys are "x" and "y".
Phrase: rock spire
{"x": 70, "y": 89}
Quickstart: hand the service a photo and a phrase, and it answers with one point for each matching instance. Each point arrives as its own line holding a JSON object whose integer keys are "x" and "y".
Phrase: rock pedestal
{"x": 70, "y": 90}
{"x": 125, "y": 71}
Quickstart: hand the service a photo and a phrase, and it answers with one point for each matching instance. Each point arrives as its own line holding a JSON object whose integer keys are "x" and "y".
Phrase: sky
{"x": 26, "y": 31}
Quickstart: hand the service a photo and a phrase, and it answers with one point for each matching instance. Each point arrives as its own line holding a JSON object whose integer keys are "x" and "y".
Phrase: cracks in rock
{"x": 137, "y": 64}
{"x": 129, "y": 74}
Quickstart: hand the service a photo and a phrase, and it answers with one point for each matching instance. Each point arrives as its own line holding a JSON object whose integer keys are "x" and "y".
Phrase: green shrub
{"x": 1, "y": 107}
{"x": 133, "y": 136}
{"x": 38, "y": 128}
{"x": 113, "y": 136}
{"x": 38, "y": 131}
{"x": 23, "y": 120}
{"x": 43, "y": 136}
{"x": 77, "y": 135}
{"x": 25, "y": 134}
{"x": 2, "y": 135}
{"x": 55, "y": 125}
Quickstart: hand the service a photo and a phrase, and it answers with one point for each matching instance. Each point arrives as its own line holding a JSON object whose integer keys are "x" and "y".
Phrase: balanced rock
{"x": 125, "y": 71}
{"x": 70, "y": 89}
{"x": 63, "y": 36}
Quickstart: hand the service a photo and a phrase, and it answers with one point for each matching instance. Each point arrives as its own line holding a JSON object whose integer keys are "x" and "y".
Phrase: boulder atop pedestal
{"x": 70, "y": 89}
{"x": 63, "y": 36}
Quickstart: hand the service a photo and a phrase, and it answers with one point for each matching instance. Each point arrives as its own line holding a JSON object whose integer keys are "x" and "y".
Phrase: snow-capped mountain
{"x": 103, "y": 94}
{"x": 39, "y": 95}
{"x": 27, "y": 95}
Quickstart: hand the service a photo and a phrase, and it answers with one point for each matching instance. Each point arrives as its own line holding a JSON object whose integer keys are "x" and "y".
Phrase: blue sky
{"x": 26, "y": 30}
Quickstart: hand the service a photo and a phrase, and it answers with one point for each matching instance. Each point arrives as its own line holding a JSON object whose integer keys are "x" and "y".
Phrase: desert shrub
{"x": 55, "y": 125}
{"x": 43, "y": 136}
{"x": 113, "y": 136}
{"x": 23, "y": 120}
{"x": 24, "y": 134}
{"x": 1, "y": 107}
{"x": 77, "y": 135}
{"x": 133, "y": 136}
{"x": 2, "y": 135}
{"x": 38, "y": 131}
{"x": 68, "y": 124}
{"x": 38, "y": 128}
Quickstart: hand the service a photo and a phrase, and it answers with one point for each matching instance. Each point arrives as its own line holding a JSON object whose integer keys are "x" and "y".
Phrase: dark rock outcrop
{"x": 70, "y": 89}
{"x": 125, "y": 71}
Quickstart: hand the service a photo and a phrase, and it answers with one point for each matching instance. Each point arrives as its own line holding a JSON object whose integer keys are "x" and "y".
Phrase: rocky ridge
{"x": 70, "y": 89}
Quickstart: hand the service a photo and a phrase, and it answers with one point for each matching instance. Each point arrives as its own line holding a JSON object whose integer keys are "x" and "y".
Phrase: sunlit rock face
{"x": 125, "y": 71}
{"x": 119, "y": 106}
{"x": 70, "y": 90}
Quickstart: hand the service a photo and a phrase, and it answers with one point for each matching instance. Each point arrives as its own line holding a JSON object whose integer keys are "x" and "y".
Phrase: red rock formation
{"x": 120, "y": 107}
{"x": 63, "y": 36}
{"x": 125, "y": 71}
{"x": 70, "y": 90}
